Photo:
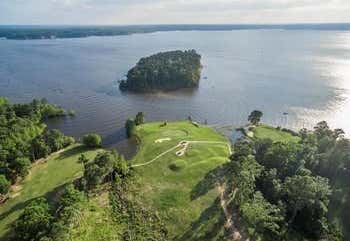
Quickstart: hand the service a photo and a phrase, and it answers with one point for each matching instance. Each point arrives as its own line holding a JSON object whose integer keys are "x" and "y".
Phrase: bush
{"x": 35, "y": 221}
{"x": 130, "y": 127}
{"x": 69, "y": 140}
{"x": 140, "y": 118}
{"x": 55, "y": 139}
{"x": 71, "y": 113}
{"x": 4, "y": 185}
{"x": 92, "y": 140}
{"x": 21, "y": 166}
{"x": 177, "y": 165}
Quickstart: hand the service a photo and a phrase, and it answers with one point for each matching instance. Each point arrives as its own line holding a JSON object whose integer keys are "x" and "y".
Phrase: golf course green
{"x": 182, "y": 188}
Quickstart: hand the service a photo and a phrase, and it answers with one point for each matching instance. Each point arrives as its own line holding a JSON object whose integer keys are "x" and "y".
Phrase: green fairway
{"x": 43, "y": 179}
{"x": 182, "y": 188}
{"x": 264, "y": 131}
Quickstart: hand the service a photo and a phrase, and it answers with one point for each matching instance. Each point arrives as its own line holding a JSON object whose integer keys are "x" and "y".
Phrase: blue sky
{"x": 172, "y": 11}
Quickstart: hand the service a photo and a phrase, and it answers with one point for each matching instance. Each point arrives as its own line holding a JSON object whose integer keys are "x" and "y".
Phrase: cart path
{"x": 234, "y": 233}
{"x": 182, "y": 144}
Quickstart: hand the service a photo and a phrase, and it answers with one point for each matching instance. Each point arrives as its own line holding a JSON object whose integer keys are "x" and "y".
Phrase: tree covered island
{"x": 164, "y": 71}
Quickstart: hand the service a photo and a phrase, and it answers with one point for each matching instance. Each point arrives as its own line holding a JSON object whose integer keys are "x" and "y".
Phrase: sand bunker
{"x": 162, "y": 140}
{"x": 184, "y": 145}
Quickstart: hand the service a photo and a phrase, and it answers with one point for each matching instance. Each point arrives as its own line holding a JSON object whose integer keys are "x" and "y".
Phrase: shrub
{"x": 92, "y": 140}
{"x": 130, "y": 127}
{"x": 69, "y": 140}
{"x": 35, "y": 221}
{"x": 21, "y": 166}
{"x": 140, "y": 118}
{"x": 177, "y": 165}
{"x": 4, "y": 185}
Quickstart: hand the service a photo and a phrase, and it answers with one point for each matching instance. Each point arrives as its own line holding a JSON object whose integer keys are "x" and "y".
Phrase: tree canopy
{"x": 24, "y": 137}
{"x": 255, "y": 117}
{"x": 164, "y": 71}
{"x": 289, "y": 190}
{"x": 92, "y": 140}
{"x": 35, "y": 221}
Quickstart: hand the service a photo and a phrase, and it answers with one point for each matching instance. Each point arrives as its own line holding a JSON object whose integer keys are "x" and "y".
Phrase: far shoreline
{"x": 40, "y": 32}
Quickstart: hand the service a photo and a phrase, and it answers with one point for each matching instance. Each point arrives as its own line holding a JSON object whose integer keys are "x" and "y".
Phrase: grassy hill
{"x": 182, "y": 188}
{"x": 96, "y": 222}
{"x": 265, "y": 131}
{"x": 45, "y": 177}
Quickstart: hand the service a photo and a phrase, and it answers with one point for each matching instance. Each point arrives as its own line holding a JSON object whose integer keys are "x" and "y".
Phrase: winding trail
{"x": 235, "y": 235}
{"x": 181, "y": 144}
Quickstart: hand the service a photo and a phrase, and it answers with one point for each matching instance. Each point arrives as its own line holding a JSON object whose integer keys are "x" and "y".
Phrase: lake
{"x": 303, "y": 73}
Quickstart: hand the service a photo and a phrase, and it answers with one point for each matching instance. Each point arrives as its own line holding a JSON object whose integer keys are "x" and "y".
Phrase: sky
{"x": 124, "y": 12}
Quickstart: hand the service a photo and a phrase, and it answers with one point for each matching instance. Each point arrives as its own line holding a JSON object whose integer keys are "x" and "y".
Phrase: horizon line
{"x": 181, "y": 24}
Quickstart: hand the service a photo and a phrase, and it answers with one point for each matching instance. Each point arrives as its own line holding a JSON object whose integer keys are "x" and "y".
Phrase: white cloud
{"x": 172, "y": 11}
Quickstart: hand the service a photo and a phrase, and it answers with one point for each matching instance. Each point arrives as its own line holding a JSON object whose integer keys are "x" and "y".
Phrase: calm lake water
{"x": 305, "y": 73}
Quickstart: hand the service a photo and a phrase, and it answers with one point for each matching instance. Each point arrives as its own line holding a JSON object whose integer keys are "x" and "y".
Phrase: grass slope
{"x": 45, "y": 177}
{"x": 96, "y": 222}
{"x": 264, "y": 131}
{"x": 186, "y": 198}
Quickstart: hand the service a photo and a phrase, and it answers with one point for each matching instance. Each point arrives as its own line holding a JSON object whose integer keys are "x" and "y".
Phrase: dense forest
{"x": 164, "y": 71}
{"x": 292, "y": 191}
{"x": 25, "y": 138}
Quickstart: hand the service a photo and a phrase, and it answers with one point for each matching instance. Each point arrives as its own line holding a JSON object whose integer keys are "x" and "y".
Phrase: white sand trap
{"x": 180, "y": 153}
{"x": 184, "y": 145}
{"x": 162, "y": 140}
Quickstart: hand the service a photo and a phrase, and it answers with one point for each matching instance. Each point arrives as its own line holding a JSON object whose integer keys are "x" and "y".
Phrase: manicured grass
{"x": 264, "y": 131}
{"x": 185, "y": 197}
{"x": 44, "y": 178}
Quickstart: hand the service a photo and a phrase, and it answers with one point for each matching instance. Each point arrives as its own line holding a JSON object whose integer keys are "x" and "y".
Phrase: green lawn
{"x": 264, "y": 131}
{"x": 186, "y": 197}
{"x": 43, "y": 179}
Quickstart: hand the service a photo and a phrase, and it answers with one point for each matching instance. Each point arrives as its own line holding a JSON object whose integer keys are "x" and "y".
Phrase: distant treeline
{"x": 47, "y": 32}
{"x": 164, "y": 71}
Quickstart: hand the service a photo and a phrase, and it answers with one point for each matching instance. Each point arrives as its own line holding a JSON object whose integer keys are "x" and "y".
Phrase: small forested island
{"x": 164, "y": 71}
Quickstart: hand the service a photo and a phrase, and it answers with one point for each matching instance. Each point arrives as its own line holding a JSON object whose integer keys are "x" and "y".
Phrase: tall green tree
{"x": 263, "y": 218}
{"x": 308, "y": 199}
{"x": 55, "y": 140}
{"x": 255, "y": 117}
{"x": 21, "y": 166}
{"x": 35, "y": 221}
{"x": 130, "y": 127}
{"x": 140, "y": 118}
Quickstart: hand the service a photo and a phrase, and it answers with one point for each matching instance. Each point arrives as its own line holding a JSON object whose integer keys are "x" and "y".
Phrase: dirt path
{"x": 234, "y": 234}
{"x": 181, "y": 144}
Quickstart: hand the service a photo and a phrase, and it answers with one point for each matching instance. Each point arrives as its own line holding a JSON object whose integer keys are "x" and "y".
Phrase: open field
{"x": 264, "y": 131}
{"x": 45, "y": 177}
{"x": 183, "y": 188}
